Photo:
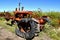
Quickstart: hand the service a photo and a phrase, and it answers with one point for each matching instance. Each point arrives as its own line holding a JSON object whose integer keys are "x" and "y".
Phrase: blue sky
{"x": 44, "y": 5}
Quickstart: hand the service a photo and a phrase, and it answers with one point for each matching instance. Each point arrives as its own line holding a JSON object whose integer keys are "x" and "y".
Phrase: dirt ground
{"x": 6, "y": 35}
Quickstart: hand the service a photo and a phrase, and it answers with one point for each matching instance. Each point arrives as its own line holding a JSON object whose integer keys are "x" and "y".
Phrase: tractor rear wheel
{"x": 27, "y": 35}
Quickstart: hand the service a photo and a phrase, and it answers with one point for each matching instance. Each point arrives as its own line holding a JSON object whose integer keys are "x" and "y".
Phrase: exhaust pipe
{"x": 16, "y": 9}
{"x": 22, "y": 9}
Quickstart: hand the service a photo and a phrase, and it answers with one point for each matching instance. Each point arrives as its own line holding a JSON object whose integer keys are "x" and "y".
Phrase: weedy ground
{"x": 50, "y": 32}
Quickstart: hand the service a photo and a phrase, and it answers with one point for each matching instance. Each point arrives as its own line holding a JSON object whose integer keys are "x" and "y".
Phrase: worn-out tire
{"x": 28, "y": 35}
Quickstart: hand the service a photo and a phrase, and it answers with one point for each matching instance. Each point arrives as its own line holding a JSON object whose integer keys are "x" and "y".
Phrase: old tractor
{"x": 28, "y": 27}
